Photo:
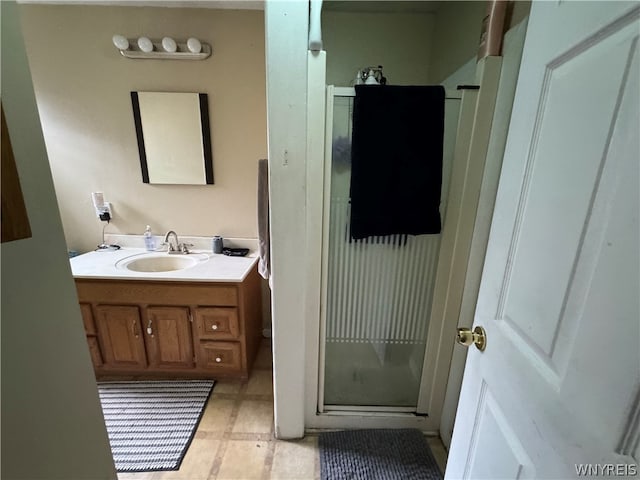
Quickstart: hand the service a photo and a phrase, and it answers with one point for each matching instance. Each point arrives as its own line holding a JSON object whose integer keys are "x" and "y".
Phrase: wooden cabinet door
{"x": 168, "y": 337}
{"x": 120, "y": 337}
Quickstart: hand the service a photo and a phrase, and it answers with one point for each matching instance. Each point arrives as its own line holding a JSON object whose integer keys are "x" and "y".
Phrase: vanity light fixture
{"x": 165, "y": 49}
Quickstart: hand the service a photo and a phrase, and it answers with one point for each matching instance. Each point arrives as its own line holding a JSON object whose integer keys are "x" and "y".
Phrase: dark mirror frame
{"x": 206, "y": 138}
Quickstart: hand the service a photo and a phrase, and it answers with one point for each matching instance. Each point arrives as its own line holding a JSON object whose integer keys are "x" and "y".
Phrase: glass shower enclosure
{"x": 377, "y": 292}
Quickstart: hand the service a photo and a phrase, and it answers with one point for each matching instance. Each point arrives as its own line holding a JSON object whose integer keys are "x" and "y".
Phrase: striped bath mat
{"x": 151, "y": 424}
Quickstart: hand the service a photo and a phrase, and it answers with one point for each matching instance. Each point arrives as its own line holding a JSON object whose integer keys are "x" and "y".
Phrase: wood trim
{"x": 251, "y": 311}
{"x": 113, "y": 374}
{"x": 87, "y": 319}
{"x": 15, "y": 220}
{"x": 94, "y": 351}
{"x": 156, "y": 293}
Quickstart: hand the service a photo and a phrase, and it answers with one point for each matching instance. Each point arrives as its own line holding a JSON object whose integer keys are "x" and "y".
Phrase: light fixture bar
{"x": 158, "y": 53}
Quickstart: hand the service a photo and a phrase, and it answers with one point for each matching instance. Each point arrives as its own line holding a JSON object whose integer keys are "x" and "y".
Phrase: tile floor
{"x": 235, "y": 441}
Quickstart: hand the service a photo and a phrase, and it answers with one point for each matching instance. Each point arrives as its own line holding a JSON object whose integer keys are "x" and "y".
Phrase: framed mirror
{"x": 173, "y": 137}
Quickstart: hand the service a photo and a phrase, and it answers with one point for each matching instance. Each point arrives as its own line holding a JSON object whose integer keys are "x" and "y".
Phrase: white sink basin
{"x": 159, "y": 263}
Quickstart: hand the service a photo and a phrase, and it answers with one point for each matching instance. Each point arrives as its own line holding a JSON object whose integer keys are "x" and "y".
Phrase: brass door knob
{"x": 477, "y": 336}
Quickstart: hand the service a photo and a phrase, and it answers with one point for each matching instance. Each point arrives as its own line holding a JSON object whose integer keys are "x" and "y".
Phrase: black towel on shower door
{"x": 396, "y": 160}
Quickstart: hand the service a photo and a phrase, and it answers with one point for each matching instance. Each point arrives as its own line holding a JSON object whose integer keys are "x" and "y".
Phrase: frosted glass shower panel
{"x": 378, "y": 298}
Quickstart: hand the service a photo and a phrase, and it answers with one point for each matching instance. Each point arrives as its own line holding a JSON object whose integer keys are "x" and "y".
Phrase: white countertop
{"x": 210, "y": 267}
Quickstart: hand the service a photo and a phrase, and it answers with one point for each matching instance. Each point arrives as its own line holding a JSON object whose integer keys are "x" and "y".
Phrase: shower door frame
{"x": 403, "y": 416}
{"x": 331, "y": 93}
{"x": 316, "y": 416}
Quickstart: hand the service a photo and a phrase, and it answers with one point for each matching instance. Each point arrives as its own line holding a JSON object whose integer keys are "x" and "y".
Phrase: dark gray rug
{"x": 151, "y": 424}
{"x": 380, "y": 454}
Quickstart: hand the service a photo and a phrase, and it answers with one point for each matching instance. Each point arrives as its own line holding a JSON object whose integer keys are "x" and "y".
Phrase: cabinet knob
{"x": 218, "y": 359}
{"x": 214, "y": 326}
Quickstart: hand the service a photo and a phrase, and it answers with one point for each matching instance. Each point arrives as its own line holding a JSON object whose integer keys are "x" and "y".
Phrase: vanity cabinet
{"x": 176, "y": 329}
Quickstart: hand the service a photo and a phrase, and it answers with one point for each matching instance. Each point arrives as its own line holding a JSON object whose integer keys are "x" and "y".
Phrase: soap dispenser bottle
{"x": 149, "y": 241}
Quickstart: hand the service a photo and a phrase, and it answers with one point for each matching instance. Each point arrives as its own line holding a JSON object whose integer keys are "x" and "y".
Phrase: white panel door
{"x": 556, "y": 392}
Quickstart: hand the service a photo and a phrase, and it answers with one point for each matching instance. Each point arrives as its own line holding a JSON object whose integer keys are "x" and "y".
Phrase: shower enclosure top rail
{"x": 351, "y": 92}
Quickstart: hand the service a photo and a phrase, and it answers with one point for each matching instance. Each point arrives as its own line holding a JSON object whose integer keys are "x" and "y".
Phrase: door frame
{"x": 513, "y": 43}
{"x": 457, "y": 234}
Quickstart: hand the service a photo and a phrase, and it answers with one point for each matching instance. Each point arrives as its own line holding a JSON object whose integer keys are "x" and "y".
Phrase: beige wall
{"x": 400, "y": 42}
{"x": 52, "y": 425}
{"x": 455, "y": 38}
{"x": 82, "y": 86}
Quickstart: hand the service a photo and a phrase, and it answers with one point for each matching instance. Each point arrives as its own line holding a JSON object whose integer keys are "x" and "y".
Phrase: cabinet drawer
{"x": 218, "y": 323}
{"x": 220, "y": 356}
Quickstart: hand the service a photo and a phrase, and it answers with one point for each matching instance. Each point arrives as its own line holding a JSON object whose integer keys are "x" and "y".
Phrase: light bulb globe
{"x": 169, "y": 44}
{"x": 145, "y": 44}
{"x": 194, "y": 45}
{"x": 121, "y": 42}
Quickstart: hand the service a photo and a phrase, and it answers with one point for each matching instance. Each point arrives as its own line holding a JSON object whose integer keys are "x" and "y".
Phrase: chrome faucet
{"x": 171, "y": 248}
{"x": 178, "y": 247}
